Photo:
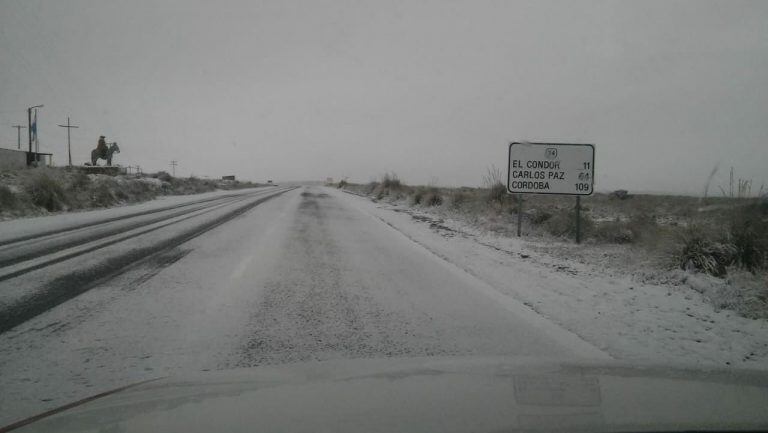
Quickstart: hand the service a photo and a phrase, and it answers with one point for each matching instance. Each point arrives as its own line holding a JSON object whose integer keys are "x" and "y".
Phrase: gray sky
{"x": 428, "y": 89}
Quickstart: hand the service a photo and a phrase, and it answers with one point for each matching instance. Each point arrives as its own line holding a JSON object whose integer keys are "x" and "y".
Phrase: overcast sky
{"x": 427, "y": 89}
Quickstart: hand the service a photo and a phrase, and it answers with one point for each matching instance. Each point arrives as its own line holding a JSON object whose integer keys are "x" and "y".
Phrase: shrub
{"x": 139, "y": 191}
{"x": 745, "y": 293}
{"x": 79, "y": 181}
{"x": 121, "y": 195}
{"x": 563, "y": 223}
{"x": 380, "y": 192}
{"x": 641, "y": 223}
{"x": 432, "y": 197}
{"x": 699, "y": 251}
{"x": 194, "y": 185}
{"x": 497, "y": 193}
{"x": 162, "y": 175}
{"x": 494, "y": 182}
{"x": 539, "y": 217}
{"x": 391, "y": 181}
{"x": 45, "y": 192}
{"x": 7, "y": 198}
{"x": 370, "y": 187}
{"x": 458, "y": 199}
{"x": 426, "y": 196}
{"x": 614, "y": 232}
{"x": 417, "y": 196}
{"x": 390, "y": 186}
{"x": 639, "y": 226}
{"x": 620, "y": 194}
{"x": 748, "y": 232}
{"x": 102, "y": 194}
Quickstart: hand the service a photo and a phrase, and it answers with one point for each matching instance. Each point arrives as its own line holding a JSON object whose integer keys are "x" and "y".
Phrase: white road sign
{"x": 551, "y": 168}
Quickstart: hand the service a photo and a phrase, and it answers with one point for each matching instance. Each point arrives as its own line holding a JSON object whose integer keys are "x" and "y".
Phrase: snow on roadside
{"x": 648, "y": 321}
{"x": 26, "y": 226}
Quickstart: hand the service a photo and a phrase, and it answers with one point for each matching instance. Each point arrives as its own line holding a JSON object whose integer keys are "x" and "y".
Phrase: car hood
{"x": 433, "y": 394}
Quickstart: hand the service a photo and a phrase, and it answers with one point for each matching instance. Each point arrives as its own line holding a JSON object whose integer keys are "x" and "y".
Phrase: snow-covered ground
{"x": 319, "y": 274}
{"x": 659, "y": 323}
{"x": 304, "y": 276}
{"x": 43, "y": 271}
{"x": 29, "y": 226}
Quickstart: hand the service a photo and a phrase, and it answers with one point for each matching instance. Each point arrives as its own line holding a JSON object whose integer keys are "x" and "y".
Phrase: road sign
{"x": 551, "y": 168}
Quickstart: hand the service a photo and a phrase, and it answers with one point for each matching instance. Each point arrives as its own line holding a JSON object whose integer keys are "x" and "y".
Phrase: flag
{"x": 33, "y": 128}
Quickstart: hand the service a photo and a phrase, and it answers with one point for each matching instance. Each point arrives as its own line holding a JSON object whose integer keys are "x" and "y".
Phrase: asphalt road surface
{"x": 269, "y": 276}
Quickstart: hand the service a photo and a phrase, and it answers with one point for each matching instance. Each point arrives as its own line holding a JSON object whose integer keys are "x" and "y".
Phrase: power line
{"x": 69, "y": 141}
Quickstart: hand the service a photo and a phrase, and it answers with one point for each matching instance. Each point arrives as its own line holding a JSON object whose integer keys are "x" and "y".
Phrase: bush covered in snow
{"x": 45, "y": 191}
{"x": 7, "y": 198}
{"x": 42, "y": 190}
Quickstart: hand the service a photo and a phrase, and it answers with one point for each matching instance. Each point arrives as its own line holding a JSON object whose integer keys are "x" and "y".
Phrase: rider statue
{"x": 101, "y": 148}
{"x": 104, "y": 151}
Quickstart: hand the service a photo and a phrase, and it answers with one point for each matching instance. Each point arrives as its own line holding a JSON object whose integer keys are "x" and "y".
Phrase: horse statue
{"x": 97, "y": 154}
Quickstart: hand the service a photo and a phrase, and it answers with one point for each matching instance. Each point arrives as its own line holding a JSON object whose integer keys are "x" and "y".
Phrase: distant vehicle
{"x": 232, "y": 177}
{"x": 269, "y": 182}
{"x": 420, "y": 395}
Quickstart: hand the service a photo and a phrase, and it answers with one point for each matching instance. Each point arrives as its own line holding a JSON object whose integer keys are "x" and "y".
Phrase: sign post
{"x": 578, "y": 219}
{"x": 551, "y": 168}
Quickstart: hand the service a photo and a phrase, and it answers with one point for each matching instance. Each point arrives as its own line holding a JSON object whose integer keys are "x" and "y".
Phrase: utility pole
{"x": 18, "y": 134}
{"x": 69, "y": 142}
{"x": 173, "y": 167}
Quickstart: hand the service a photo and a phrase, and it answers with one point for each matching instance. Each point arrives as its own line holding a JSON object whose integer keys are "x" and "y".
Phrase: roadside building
{"x": 12, "y": 159}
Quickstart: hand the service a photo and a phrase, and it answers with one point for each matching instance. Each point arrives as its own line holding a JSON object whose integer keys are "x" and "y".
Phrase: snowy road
{"x": 41, "y": 270}
{"x": 265, "y": 278}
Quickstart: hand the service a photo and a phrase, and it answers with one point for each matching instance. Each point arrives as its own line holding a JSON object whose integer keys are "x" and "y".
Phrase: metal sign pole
{"x": 519, "y": 214}
{"x": 578, "y": 219}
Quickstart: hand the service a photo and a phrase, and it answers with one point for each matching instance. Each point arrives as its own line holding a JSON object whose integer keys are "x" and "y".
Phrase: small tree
{"x": 494, "y": 182}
